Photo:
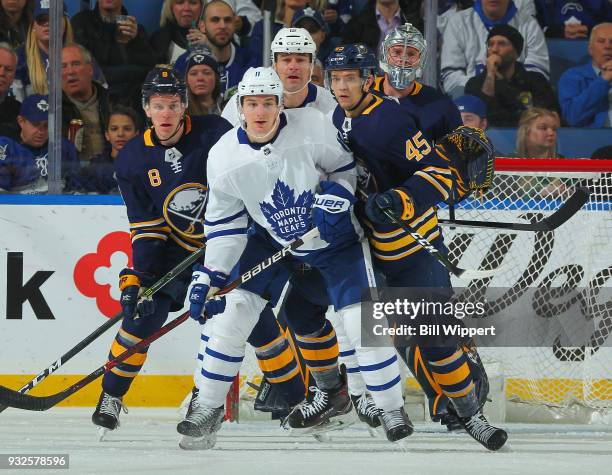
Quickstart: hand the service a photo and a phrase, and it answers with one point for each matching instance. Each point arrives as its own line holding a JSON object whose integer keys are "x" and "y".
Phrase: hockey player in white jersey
{"x": 282, "y": 169}
{"x": 293, "y": 56}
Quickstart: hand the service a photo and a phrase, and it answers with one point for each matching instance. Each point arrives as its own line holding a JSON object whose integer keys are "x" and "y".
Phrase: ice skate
{"x": 200, "y": 426}
{"x": 396, "y": 424}
{"x": 106, "y": 415}
{"x": 367, "y": 410}
{"x": 479, "y": 428}
{"x": 322, "y": 411}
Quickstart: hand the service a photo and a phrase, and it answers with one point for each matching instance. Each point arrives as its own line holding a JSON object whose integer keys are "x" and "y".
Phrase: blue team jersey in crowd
{"x": 230, "y": 73}
{"x": 392, "y": 152}
{"x": 435, "y": 114}
{"x": 165, "y": 192}
{"x": 21, "y": 165}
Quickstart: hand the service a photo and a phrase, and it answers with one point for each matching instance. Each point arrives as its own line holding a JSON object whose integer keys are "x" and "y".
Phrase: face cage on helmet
{"x": 401, "y": 77}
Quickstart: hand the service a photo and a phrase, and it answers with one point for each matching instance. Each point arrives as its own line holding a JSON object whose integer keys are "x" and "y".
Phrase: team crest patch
{"x": 173, "y": 157}
{"x": 288, "y": 216}
{"x": 184, "y": 209}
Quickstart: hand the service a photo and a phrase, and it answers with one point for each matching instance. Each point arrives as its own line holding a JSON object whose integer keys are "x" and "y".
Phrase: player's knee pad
{"x": 241, "y": 314}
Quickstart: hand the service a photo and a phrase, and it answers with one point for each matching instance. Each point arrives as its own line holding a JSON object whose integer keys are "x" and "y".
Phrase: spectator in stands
{"x": 83, "y": 99}
{"x": 27, "y": 167}
{"x": 33, "y": 57}
{"x": 285, "y": 11}
{"x": 9, "y": 106}
{"x": 584, "y": 91}
{"x": 99, "y": 176}
{"x": 603, "y": 153}
{"x": 313, "y": 22}
{"x": 15, "y": 18}
{"x": 247, "y": 14}
{"x": 203, "y": 84}
{"x": 505, "y": 85}
{"x": 179, "y": 26}
{"x": 448, "y": 8}
{"x": 378, "y": 18}
{"x": 119, "y": 45}
{"x": 572, "y": 20}
{"x": 217, "y": 33}
{"x": 464, "y": 43}
{"x": 335, "y": 13}
{"x": 317, "y": 74}
{"x": 473, "y": 111}
{"x": 537, "y": 134}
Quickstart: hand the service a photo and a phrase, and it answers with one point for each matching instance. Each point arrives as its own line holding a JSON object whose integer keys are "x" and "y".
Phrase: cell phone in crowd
{"x": 122, "y": 19}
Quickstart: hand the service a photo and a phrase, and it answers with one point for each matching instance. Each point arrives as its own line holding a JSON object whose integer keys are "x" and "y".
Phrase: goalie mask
{"x": 402, "y": 55}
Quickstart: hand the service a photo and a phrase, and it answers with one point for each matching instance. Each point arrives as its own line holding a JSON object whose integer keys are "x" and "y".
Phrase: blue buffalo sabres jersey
{"x": 434, "y": 113}
{"x": 392, "y": 152}
{"x": 165, "y": 191}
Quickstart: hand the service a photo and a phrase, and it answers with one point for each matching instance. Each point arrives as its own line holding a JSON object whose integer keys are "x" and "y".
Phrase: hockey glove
{"x": 332, "y": 213}
{"x": 130, "y": 284}
{"x": 206, "y": 283}
{"x": 471, "y": 156}
{"x": 397, "y": 200}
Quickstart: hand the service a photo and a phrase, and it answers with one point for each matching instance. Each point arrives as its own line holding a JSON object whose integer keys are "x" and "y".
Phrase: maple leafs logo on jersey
{"x": 289, "y": 217}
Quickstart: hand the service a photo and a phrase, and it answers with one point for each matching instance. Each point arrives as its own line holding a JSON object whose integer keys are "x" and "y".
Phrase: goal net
{"x": 577, "y": 257}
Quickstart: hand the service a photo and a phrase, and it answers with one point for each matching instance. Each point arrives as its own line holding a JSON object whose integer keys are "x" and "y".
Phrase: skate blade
{"x": 336, "y": 423}
{"x": 101, "y": 433}
{"x": 205, "y": 442}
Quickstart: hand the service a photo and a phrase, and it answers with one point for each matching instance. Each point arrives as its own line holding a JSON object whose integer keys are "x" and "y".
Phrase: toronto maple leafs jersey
{"x": 274, "y": 184}
{"x": 165, "y": 190}
{"x": 392, "y": 152}
{"x": 318, "y": 98}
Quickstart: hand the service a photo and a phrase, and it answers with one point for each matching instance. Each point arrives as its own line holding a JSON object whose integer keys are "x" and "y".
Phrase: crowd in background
{"x": 493, "y": 57}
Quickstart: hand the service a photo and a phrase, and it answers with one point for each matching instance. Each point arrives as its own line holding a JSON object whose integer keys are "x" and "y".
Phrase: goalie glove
{"x": 471, "y": 157}
{"x": 206, "y": 284}
{"x": 398, "y": 201}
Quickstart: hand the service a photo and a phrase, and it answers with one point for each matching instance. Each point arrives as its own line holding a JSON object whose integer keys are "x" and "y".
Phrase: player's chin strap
{"x": 364, "y": 94}
{"x": 178, "y": 127}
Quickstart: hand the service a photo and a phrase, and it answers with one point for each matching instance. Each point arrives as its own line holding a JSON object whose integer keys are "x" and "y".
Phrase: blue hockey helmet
{"x": 163, "y": 79}
{"x": 352, "y": 56}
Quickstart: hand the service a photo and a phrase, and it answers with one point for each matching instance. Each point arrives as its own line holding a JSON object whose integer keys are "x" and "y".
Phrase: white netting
{"x": 577, "y": 255}
{"x": 580, "y": 252}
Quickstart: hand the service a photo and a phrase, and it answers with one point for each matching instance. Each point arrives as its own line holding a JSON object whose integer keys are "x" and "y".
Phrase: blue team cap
{"x": 35, "y": 108}
{"x": 41, "y": 7}
{"x": 312, "y": 14}
{"x": 472, "y": 104}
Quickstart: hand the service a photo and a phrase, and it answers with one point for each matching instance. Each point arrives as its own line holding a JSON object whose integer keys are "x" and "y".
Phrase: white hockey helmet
{"x": 293, "y": 40}
{"x": 260, "y": 82}
{"x": 406, "y": 35}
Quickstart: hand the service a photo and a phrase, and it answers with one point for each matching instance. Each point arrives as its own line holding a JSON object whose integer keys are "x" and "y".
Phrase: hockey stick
{"x": 159, "y": 284}
{"x": 560, "y": 216}
{"x": 468, "y": 274}
{"x": 12, "y": 398}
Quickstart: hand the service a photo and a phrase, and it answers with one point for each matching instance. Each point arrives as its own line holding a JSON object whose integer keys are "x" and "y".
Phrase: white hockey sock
{"x": 379, "y": 366}
{"x": 348, "y": 355}
{"x": 197, "y": 373}
{"x": 225, "y": 349}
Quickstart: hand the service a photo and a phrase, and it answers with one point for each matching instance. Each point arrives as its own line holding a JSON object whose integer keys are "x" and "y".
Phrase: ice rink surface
{"x": 147, "y": 442}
